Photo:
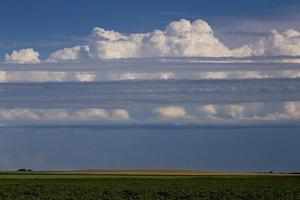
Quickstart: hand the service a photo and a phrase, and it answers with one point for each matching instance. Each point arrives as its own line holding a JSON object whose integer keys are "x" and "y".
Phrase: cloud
{"x": 89, "y": 114}
{"x": 234, "y": 111}
{"x": 231, "y": 75}
{"x": 181, "y": 38}
{"x": 85, "y": 76}
{"x": 237, "y": 114}
{"x": 141, "y": 76}
{"x": 74, "y": 53}
{"x": 171, "y": 112}
{"x": 110, "y": 44}
{"x": 243, "y": 51}
{"x": 224, "y": 112}
{"x": 125, "y": 76}
{"x": 12, "y": 76}
{"x": 18, "y": 114}
{"x": 2, "y": 76}
{"x": 34, "y": 76}
{"x": 23, "y": 56}
{"x": 247, "y": 112}
{"x": 208, "y": 109}
{"x": 120, "y": 114}
{"x": 274, "y": 44}
{"x": 62, "y": 115}
{"x": 166, "y": 75}
{"x": 31, "y": 76}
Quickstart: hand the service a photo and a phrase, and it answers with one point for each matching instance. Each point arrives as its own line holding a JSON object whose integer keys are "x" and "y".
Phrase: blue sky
{"x": 49, "y": 25}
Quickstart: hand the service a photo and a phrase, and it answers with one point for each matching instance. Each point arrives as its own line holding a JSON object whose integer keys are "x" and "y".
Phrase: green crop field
{"x": 68, "y": 186}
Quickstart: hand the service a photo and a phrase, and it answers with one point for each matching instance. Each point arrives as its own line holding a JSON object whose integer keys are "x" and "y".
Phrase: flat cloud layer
{"x": 62, "y": 115}
{"x": 233, "y": 113}
{"x": 209, "y": 114}
{"x": 99, "y": 76}
{"x": 252, "y": 112}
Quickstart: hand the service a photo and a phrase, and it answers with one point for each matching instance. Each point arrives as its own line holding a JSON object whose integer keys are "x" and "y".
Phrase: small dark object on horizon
{"x": 25, "y": 170}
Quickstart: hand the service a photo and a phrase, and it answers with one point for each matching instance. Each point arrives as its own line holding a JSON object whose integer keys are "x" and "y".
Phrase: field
{"x": 140, "y": 185}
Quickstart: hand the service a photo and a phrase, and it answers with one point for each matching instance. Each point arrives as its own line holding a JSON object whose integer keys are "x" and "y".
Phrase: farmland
{"x": 85, "y": 185}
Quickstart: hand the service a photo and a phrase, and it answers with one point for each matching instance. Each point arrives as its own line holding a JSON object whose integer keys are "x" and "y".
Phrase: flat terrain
{"x": 145, "y": 185}
{"x": 83, "y": 174}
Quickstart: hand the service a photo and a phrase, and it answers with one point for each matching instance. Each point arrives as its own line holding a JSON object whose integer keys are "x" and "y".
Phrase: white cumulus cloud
{"x": 23, "y": 56}
{"x": 181, "y": 38}
{"x": 120, "y": 114}
{"x": 171, "y": 112}
{"x": 73, "y": 53}
{"x": 274, "y": 44}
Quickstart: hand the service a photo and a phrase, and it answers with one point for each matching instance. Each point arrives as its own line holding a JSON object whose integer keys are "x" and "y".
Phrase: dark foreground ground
{"x": 78, "y": 186}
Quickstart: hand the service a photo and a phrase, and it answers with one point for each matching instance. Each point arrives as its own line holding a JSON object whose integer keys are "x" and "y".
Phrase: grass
{"x": 31, "y": 186}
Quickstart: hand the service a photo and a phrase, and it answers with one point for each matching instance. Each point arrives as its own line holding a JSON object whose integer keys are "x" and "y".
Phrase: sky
{"x": 50, "y": 25}
{"x": 208, "y": 85}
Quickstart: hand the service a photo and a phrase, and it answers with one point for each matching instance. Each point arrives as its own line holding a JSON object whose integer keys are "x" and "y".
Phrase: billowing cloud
{"x": 73, "y": 53}
{"x": 23, "y": 56}
{"x": 179, "y": 39}
{"x": 286, "y": 43}
{"x": 274, "y": 44}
